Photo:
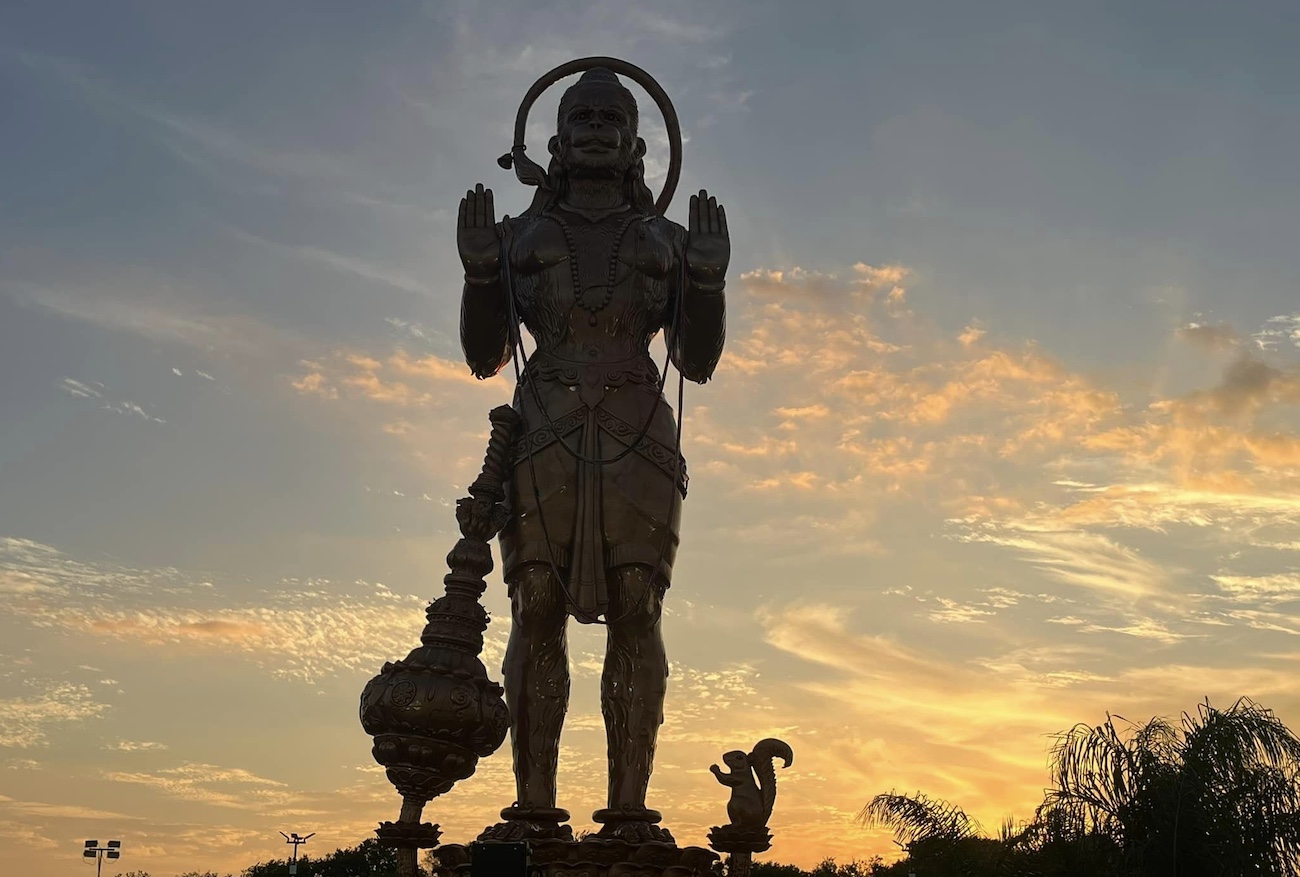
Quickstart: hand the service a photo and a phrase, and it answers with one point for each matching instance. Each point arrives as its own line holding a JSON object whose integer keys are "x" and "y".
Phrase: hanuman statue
{"x": 594, "y": 271}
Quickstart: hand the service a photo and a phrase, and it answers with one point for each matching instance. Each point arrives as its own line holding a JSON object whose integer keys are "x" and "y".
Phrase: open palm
{"x": 476, "y": 233}
{"x": 708, "y": 246}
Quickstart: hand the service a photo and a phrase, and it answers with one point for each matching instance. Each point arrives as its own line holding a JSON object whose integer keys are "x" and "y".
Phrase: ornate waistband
{"x": 661, "y": 455}
{"x": 593, "y": 370}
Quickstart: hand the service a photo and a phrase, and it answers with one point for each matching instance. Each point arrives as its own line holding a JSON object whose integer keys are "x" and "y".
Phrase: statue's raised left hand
{"x": 708, "y": 247}
{"x": 476, "y": 234}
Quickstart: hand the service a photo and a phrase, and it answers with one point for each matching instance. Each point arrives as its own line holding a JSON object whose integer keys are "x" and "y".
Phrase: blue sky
{"x": 1005, "y": 434}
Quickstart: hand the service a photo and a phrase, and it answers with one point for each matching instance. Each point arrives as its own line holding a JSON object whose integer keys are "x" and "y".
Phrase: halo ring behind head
{"x": 530, "y": 173}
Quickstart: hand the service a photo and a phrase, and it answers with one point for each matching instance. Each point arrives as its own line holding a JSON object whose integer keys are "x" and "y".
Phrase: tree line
{"x": 367, "y": 859}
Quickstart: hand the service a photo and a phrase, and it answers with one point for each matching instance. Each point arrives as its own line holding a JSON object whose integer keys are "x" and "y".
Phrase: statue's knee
{"x": 535, "y": 597}
{"x": 641, "y": 594}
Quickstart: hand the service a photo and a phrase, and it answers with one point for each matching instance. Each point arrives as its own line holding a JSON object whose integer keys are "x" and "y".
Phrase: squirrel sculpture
{"x": 752, "y": 799}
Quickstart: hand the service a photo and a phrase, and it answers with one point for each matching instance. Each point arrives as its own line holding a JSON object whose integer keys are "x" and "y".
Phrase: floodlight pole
{"x": 93, "y": 850}
{"x": 296, "y": 840}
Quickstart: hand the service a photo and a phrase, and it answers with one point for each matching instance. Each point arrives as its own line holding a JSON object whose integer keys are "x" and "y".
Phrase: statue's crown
{"x": 599, "y": 75}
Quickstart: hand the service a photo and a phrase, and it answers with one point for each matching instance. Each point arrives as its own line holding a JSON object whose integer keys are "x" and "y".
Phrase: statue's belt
{"x": 592, "y": 370}
{"x": 658, "y": 453}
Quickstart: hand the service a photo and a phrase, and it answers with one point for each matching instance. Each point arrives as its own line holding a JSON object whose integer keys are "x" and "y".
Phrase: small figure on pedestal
{"x": 752, "y": 780}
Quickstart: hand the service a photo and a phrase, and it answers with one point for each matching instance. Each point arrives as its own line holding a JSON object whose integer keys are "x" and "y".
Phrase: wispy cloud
{"x": 1214, "y": 337}
{"x": 674, "y": 28}
{"x": 22, "y": 764}
{"x": 147, "y": 305}
{"x": 375, "y": 272}
{"x": 93, "y": 390}
{"x": 201, "y": 142}
{"x": 234, "y": 788}
{"x": 25, "y": 834}
{"x": 135, "y": 746}
{"x": 28, "y": 720}
{"x": 297, "y": 630}
{"x": 96, "y": 390}
{"x": 432, "y": 406}
{"x": 1079, "y": 558}
{"x": 39, "y": 810}
{"x": 1279, "y": 330}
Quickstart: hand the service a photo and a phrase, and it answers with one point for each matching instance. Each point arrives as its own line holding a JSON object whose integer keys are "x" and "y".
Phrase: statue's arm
{"x": 696, "y": 345}
{"x": 727, "y": 779}
{"x": 485, "y": 330}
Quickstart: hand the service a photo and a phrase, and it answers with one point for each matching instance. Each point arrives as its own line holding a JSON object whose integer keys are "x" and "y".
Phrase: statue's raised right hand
{"x": 476, "y": 234}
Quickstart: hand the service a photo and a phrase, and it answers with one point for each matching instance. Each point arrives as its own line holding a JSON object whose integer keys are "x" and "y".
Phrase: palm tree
{"x": 1218, "y": 794}
{"x": 917, "y": 817}
{"x": 939, "y": 836}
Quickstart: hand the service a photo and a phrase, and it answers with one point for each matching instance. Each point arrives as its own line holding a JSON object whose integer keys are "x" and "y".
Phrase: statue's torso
{"x": 551, "y": 287}
{"x": 591, "y": 390}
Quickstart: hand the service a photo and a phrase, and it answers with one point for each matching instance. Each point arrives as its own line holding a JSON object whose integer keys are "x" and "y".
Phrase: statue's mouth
{"x": 596, "y": 142}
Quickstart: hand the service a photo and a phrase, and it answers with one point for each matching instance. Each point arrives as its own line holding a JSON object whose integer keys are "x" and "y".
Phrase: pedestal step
{"x": 592, "y": 857}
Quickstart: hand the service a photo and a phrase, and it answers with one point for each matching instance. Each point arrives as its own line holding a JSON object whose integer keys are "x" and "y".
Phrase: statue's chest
{"x": 596, "y": 258}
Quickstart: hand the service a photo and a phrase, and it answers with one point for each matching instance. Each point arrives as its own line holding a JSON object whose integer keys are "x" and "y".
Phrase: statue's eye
{"x": 581, "y": 115}
{"x": 614, "y": 117}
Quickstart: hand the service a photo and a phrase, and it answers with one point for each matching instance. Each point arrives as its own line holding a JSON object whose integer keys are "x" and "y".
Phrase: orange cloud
{"x": 970, "y": 335}
{"x": 399, "y": 380}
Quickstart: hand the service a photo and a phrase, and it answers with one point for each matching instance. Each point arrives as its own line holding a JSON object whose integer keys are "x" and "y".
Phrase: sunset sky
{"x": 1006, "y": 434}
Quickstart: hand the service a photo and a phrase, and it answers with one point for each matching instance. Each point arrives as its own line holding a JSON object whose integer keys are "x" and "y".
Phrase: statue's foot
{"x": 632, "y": 825}
{"x": 529, "y": 823}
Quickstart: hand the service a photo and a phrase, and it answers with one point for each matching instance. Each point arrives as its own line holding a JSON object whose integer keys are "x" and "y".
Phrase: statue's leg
{"x": 536, "y": 676}
{"x": 633, "y": 686}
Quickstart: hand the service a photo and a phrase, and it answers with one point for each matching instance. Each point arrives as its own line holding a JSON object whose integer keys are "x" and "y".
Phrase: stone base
{"x": 594, "y": 857}
{"x": 740, "y": 838}
{"x": 634, "y": 826}
{"x": 529, "y": 824}
{"x": 410, "y": 835}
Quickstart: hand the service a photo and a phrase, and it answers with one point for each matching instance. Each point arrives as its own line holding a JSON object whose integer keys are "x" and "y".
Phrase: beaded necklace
{"x": 579, "y": 291}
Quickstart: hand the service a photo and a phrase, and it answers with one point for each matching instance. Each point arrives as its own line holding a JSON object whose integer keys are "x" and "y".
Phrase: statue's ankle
{"x": 626, "y": 813}
{"x": 535, "y": 813}
{"x": 530, "y": 822}
{"x": 632, "y": 823}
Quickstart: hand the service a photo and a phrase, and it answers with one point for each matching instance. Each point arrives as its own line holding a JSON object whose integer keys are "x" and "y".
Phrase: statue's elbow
{"x": 483, "y": 370}
{"x": 699, "y": 372}
{"x": 486, "y": 366}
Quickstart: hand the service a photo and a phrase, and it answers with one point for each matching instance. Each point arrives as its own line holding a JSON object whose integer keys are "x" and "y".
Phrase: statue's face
{"x": 736, "y": 760}
{"x": 596, "y": 138}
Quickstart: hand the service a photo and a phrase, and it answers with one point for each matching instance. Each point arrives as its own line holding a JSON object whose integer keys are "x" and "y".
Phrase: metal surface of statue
{"x": 594, "y": 271}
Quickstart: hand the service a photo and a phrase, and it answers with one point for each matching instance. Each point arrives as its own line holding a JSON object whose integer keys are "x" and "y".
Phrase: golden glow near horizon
{"x": 982, "y": 459}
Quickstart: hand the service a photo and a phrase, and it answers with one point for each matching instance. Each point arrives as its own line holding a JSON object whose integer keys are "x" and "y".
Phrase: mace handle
{"x": 489, "y": 484}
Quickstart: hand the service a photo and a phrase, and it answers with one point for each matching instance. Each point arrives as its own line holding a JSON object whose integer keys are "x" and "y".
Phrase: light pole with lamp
{"x": 296, "y": 841}
{"x": 94, "y": 851}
